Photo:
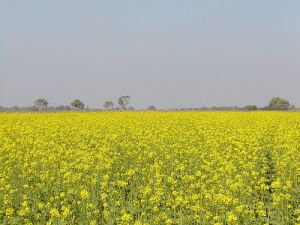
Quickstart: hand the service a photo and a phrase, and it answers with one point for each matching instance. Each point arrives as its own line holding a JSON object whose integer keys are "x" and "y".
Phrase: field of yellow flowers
{"x": 150, "y": 168}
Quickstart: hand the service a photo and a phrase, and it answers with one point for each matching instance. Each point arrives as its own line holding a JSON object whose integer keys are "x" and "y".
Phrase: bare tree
{"x": 124, "y": 102}
{"x": 77, "y": 104}
{"x": 108, "y": 105}
{"x": 41, "y": 104}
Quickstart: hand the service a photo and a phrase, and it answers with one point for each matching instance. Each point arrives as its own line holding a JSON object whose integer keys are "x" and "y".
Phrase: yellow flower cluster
{"x": 150, "y": 168}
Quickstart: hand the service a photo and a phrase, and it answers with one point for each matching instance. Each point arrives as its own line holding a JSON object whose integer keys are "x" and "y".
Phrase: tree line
{"x": 41, "y": 104}
{"x": 123, "y": 102}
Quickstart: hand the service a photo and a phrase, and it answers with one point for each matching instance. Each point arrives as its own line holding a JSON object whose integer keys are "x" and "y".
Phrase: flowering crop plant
{"x": 150, "y": 168}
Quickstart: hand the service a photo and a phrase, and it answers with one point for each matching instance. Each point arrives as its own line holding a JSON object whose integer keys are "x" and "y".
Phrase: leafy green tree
{"x": 41, "y": 104}
{"x": 77, "y": 104}
{"x": 277, "y": 103}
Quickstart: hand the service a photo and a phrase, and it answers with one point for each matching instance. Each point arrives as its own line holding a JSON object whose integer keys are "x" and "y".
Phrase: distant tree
{"x": 108, "y": 105}
{"x": 16, "y": 108}
{"x": 124, "y": 102}
{"x": 64, "y": 108}
{"x": 131, "y": 108}
{"x": 41, "y": 104}
{"x": 277, "y": 103}
{"x": 77, "y": 104}
{"x": 28, "y": 108}
{"x": 250, "y": 108}
{"x": 152, "y": 107}
{"x": 50, "y": 108}
{"x": 60, "y": 108}
{"x": 68, "y": 108}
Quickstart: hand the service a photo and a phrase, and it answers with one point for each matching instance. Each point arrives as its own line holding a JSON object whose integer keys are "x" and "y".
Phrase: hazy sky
{"x": 169, "y": 53}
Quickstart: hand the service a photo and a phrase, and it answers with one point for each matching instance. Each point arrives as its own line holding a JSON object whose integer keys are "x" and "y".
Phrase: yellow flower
{"x": 84, "y": 194}
{"x": 65, "y": 211}
{"x": 9, "y": 212}
{"x": 24, "y": 211}
{"x": 276, "y": 184}
{"x": 231, "y": 217}
{"x": 54, "y": 213}
{"x": 93, "y": 222}
{"x": 169, "y": 221}
{"x": 62, "y": 194}
{"x": 40, "y": 205}
{"x": 126, "y": 217}
{"x": 208, "y": 215}
{"x": 25, "y": 204}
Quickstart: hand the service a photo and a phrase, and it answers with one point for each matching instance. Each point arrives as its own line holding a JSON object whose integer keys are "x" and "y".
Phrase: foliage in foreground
{"x": 150, "y": 168}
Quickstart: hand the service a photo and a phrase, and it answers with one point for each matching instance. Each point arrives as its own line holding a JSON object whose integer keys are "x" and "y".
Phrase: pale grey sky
{"x": 170, "y": 53}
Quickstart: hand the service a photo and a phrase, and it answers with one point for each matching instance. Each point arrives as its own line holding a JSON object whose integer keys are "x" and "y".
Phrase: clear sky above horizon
{"x": 169, "y": 53}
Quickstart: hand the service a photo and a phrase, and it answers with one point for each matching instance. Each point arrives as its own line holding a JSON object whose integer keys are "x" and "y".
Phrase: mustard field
{"x": 150, "y": 168}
